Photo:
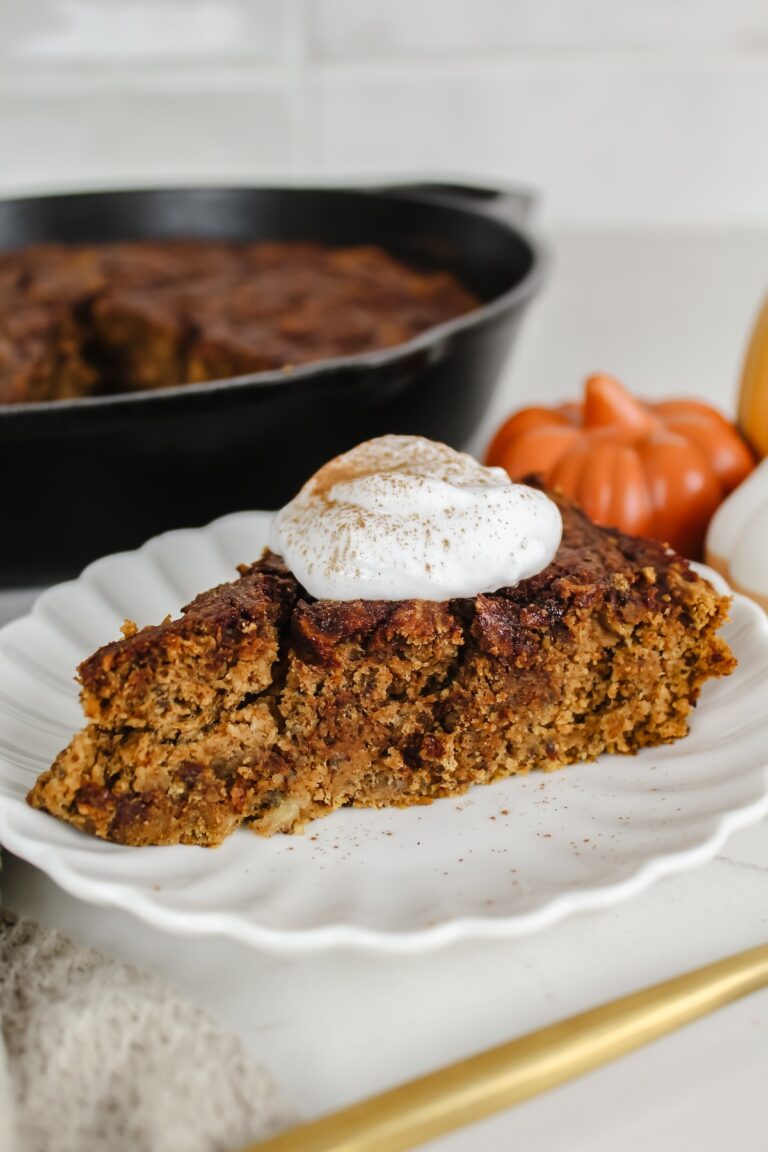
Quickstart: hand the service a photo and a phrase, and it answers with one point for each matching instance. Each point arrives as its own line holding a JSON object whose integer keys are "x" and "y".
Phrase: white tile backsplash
{"x": 619, "y": 111}
{"x": 112, "y": 31}
{"x": 355, "y": 30}
{"x": 151, "y": 136}
{"x": 661, "y": 142}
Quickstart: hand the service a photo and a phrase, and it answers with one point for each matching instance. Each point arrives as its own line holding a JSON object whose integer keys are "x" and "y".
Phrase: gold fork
{"x": 461, "y": 1093}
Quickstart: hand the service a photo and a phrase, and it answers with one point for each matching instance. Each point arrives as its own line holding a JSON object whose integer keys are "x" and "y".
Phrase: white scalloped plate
{"x": 505, "y": 860}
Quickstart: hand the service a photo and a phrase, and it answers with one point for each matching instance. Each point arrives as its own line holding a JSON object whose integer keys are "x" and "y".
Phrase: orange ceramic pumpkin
{"x": 650, "y": 469}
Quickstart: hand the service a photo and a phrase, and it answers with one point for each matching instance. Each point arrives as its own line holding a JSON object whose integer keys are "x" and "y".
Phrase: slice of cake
{"x": 262, "y": 705}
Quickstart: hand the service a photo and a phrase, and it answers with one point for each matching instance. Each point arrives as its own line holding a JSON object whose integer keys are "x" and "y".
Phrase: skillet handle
{"x": 512, "y": 205}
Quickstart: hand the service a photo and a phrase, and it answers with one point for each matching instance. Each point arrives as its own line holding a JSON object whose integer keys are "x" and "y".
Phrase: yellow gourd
{"x": 753, "y": 397}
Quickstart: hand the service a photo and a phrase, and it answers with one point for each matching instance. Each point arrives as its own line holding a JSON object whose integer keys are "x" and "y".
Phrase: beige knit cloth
{"x": 99, "y": 1057}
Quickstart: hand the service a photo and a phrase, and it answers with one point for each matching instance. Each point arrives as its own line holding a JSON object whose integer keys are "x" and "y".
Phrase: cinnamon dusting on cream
{"x": 402, "y": 517}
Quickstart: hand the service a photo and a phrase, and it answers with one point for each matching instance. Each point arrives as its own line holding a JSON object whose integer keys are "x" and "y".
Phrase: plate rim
{"x": 394, "y": 942}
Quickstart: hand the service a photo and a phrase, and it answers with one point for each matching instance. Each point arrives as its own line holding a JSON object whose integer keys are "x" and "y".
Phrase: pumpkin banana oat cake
{"x": 265, "y": 707}
{"x": 78, "y": 320}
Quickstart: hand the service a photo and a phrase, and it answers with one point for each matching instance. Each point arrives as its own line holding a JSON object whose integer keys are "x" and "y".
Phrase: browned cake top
{"x": 118, "y": 317}
{"x": 593, "y": 566}
{"x": 254, "y": 605}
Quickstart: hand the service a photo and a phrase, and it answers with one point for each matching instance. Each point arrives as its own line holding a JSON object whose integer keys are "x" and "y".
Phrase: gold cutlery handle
{"x": 490, "y": 1081}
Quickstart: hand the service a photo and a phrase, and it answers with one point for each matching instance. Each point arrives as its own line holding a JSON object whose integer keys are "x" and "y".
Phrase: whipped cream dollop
{"x": 404, "y": 518}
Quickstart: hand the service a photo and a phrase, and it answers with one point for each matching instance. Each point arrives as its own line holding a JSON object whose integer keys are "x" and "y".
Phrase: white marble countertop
{"x": 669, "y": 313}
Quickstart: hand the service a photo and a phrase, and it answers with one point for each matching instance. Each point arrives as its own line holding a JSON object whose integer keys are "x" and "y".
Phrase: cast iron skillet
{"x": 80, "y": 478}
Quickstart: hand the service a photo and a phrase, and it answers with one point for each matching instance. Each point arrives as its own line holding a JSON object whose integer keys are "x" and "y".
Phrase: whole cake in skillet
{"x": 428, "y": 626}
{"x": 82, "y": 320}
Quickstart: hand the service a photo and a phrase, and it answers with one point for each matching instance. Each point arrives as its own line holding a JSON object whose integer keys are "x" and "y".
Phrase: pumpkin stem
{"x": 607, "y": 403}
